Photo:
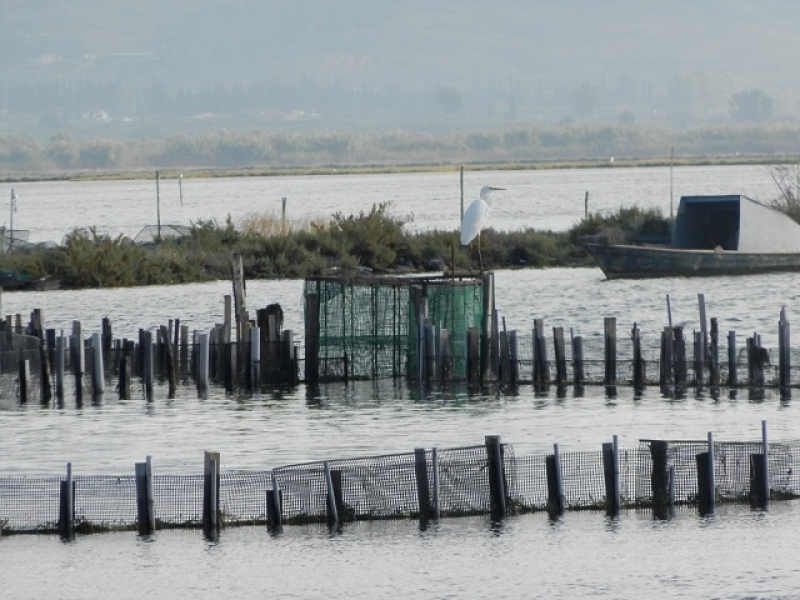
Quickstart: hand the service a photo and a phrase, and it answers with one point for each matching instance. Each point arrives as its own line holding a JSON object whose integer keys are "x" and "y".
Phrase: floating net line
{"x": 385, "y": 487}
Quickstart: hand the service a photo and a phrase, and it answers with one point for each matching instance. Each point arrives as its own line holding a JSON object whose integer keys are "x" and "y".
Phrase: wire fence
{"x": 387, "y": 487}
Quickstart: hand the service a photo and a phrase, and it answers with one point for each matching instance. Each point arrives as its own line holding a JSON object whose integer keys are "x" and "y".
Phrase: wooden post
{"x": 24, "y": 379}
{"x": 255, "y": 359}
{"x": 312, "y": 338}
{"x": 423, "y": 487}
{"x": 435, "y": 476}
{"x": 145, "y": 501}
{"x": 541, "y": 370}
{"x": 78, "y": 358}
{"x": 610, "y": 380}
{"x": 289, "y": 356}
{"x": 107, "y": 341}
{"x": 148, "y": 370}
{"x": 784, "y": 352}
{"x": 274, "y": 506}
{"x": 713, "y": 356}
{"x": 98, "y": 373}
{"x": 555, "y": 486}
{"x": 698, "y": 359}
{"x": 211, "y": 478}
{"x": 765, "y": 453}
{"x": 237, "y": 276}
{"x": 560, "y": 349}
{"x": 638, "y": 361}
{"x": 705, "y": 479}
{"x": 333, "y": 513}
{"x": 46, "y": 391}
{"x": 577, "y": 358}
{"x": 486, "y": 326}
{"x": 184, "y": 369}
{"x": 60, "y": 368}
{"x": 611, "y": 476}
{"x": 66, "y": 519}
{"x": 513, "y": 349}
{"x": 659, "y": 478}
{"x": 498, "y": 491}
{"x": 202, "y": 363}
{"x": 732, "y": 378}
{"x": 125, "y": 372}
{"x": 703, "y": 342}
{"x": 679, "y": 348}
{"x": 170, "y": 358}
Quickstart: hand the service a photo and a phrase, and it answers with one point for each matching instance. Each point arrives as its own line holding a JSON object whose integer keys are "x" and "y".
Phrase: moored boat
{"x": 713, "y": 235}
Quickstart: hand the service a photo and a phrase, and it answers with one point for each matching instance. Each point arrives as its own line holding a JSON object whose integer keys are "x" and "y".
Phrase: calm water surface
{"x": 737, "y": 554}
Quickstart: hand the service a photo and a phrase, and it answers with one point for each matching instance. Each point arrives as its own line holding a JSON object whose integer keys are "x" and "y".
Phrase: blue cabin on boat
{"x": 733, "y": 222}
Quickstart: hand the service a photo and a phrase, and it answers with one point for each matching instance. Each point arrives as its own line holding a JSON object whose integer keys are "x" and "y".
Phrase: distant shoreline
{"x": 383, "y": 169}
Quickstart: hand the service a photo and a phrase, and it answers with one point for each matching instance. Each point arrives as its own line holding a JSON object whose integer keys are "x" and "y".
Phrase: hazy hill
{"x": 512, "y": 59}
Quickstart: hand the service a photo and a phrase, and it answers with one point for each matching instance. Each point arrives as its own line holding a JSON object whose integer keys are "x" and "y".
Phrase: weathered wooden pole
{"x": 149, "y": 368}
{"x": 498, "y": 491}
{"x": 679, "y": 357}
{"x": 732, "y": 378}
{"x": 784, "y": 352}
{"x": 211, "y": 479}
{"x": 713, "y": 356}
{"x": 255, "y": 359}
{"x": 435, "y": 479}
{"x": 78, "y": 359}
{"x": 610, "y": 379}
{"x": 66, "y": 519}
{"x": 555, "y": 484}
{"x": 611, "y": 476}
{"x": 24, "y": 379}
{"x": 145, "y": 498}
{"x": 638, "y": 361}
{"x": 98, "y": 373}
{"x": 312, "y": 328}
{"x": 274, "y": 506}
{"x": 659, "y": 478}
{"x": 202, "y": 363}
{"x": 423, "y": 486}
{"x": 698, "y": 359}
{"x": 125, "y": 371}
{"x": 560, "y": 350}
{"x": 577, "y": 359}
{"x": 705, "y": 479}
{"x": 473, "y": 354}
{"x": 172, "y": 382}
{"x": 60, "y": 368}
{"x": 332, "y": 509}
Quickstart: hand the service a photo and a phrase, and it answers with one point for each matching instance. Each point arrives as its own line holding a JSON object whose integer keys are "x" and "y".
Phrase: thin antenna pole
{"x": 462, "y": 193}
{"x": 671, "y": 160}
{"x": 180, "y": 186}
{"x": 158, "y": 206}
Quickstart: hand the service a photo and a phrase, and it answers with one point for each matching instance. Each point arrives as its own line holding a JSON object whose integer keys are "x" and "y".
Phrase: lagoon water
{"x": 736, "y": 554}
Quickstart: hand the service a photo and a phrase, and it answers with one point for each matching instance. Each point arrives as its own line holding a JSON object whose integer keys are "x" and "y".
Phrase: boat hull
{"x": 639, "y": 262}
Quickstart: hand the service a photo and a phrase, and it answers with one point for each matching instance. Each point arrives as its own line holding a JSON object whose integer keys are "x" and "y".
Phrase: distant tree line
{"x": 225, "y": 149}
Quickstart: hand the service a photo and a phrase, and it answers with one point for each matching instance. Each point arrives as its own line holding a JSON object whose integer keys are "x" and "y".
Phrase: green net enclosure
{"x": 371, "y": 327}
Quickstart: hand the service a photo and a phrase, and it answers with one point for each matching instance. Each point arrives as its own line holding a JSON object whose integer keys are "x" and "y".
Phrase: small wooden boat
{"x": 713, "y": 235}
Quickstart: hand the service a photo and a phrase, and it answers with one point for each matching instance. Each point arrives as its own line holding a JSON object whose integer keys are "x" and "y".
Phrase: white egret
{"x": 476, "y": 216}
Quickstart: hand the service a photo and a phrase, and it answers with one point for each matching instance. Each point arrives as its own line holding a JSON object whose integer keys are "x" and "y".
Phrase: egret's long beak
{"x": 496, "y": 189}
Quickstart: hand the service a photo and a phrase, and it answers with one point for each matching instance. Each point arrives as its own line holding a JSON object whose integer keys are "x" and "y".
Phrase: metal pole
{"x": 765, "y": 450}
{"x": 616, "y": 473}
{"x": 462, "y": 193}
{"x": 333, "y": 515}
{"x": 435, "y": 467}
{"x": 711, "y": 488}
{"x": 158, "y": 206}
{"x": 180, "y": 186}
